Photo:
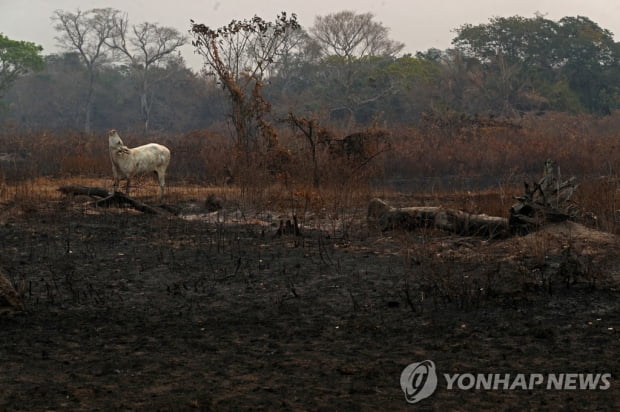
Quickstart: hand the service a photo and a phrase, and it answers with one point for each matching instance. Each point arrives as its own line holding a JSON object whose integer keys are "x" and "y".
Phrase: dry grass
{"x": 474, "y": 166}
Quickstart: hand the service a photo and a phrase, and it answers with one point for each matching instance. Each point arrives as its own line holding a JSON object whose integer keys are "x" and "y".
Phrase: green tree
{"x": 518, "y": 39}
{"x": 414, "y": 80}
{"x": 17, "y": 58}
{"x": 528, "y": 63}
{"x": 591, "y": 62}
{"x": 517, "y": 55}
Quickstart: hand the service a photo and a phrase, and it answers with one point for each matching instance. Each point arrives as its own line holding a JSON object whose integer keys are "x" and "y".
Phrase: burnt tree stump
{"x": 545, "y": 201}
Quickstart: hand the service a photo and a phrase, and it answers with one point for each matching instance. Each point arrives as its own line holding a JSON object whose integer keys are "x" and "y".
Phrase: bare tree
{"x": 348, "y": 35}
{"x": 146, "y": 46}
{"x": 87, "y": 33}
{"x": 350, "y": 43}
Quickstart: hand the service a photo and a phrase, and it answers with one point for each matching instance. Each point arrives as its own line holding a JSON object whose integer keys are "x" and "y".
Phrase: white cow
{"x": 127, "y": 163}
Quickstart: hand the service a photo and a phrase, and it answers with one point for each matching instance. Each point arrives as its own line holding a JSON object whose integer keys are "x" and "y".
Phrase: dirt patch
{"x": 128, "y": 311}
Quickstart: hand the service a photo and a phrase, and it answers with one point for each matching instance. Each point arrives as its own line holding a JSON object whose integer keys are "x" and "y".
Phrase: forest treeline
{"x": 505, "y": 68}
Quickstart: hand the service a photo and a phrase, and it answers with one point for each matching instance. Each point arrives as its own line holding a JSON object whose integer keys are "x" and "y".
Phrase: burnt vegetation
{"x": 260, "y": 281}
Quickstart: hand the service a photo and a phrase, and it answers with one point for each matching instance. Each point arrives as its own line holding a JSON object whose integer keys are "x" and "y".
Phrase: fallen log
{"x": 455, "y": 221}
{"x": 118, "y": 199}
{"x": 545, "y": 201}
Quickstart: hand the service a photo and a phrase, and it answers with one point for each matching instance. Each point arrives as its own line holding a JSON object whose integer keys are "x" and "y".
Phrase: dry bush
{"x": 197, "y": 156}
{"x": 201, "y": 156}
{"x": 582, "y": 145}
{"x": 599, "y": 201}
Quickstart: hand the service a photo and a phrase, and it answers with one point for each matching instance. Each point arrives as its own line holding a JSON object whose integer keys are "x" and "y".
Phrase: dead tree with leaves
{"x": 239, "y": 55}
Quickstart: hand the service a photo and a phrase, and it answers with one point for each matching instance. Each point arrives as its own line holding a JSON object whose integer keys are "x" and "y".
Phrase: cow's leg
{"x": 161, "y": 177}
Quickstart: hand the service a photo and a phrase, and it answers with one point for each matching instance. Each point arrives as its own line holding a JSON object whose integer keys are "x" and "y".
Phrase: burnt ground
{"x": 130, "y": 311}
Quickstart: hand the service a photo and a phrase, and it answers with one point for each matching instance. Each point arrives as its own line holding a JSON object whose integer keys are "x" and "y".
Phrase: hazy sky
{"x": 420, "y": 24}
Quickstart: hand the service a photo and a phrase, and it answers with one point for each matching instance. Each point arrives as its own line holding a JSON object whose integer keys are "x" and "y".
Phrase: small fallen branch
{"x": 119, "y": 199}
{"x": 78, "y": 190}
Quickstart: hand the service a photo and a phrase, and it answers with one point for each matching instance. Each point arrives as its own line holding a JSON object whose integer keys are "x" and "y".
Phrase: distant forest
{"x": 506, "y": 68}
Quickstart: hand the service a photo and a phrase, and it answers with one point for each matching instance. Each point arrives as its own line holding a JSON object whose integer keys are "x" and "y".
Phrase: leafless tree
{"x": 87, "y": 33}
{"x": 349, "y": 35}
{"x": 145, "y": 47}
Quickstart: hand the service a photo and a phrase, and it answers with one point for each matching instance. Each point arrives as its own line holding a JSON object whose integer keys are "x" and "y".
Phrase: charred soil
{"x": 132, "y": 311}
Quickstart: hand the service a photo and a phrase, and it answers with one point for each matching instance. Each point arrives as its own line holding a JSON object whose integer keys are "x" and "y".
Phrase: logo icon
{"x": 418, "y": 381}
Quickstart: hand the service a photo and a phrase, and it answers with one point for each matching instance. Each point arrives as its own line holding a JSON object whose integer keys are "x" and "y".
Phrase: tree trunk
{"x": 145, "y": 106}
{"x": 455, "y": 221}
{"x": 89, "y": 100}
